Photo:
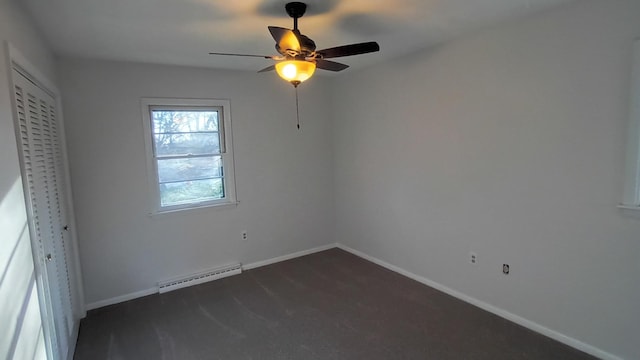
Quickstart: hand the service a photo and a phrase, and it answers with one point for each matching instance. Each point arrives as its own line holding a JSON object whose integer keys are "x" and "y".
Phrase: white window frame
{"x": 149, "y": 104}
{"x": 631, "y": 198}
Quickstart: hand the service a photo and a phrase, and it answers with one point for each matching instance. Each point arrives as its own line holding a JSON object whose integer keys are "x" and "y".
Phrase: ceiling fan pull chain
{"x": 297, "y": 109}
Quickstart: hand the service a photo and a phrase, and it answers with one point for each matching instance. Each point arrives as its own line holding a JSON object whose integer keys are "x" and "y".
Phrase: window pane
{"x": 189, "y": 143}
{"x": 184, "y": 120}
{"x": 191, "y": 192}
{"x": 189, "y": 169}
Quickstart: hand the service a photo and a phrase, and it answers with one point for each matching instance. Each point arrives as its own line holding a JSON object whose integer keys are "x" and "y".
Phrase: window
{"x": 189, "y": 153}
{"x": 632, "y": 177}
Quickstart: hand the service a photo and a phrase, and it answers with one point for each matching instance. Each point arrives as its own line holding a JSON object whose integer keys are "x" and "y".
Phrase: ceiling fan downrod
{"x": 296, "y": 10}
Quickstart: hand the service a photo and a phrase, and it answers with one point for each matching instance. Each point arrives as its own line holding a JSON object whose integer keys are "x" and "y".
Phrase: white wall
{"x": 510, "y": 143}
{"x": 283, "y": 175}
{"x": 21, "y": 330}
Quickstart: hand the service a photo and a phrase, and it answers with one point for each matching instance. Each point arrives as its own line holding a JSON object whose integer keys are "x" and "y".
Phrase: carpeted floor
{"x": 329, "y": 305}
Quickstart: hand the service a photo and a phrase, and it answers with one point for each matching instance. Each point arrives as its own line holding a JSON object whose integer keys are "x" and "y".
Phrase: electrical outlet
{"x": 244, "y": 235}
{"x": 505, "y": 269}
{"x": 473, "y": 258}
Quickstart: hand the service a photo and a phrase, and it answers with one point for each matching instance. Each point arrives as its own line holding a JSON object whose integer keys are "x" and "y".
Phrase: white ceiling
{"x": 182, "y": 32}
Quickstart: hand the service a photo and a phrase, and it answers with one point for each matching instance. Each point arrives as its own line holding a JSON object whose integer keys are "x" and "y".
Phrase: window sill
{"x": 182, "y": 211}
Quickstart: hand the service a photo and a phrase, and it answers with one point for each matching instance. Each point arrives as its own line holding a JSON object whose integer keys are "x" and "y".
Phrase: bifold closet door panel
{"x": 40, "y": 151}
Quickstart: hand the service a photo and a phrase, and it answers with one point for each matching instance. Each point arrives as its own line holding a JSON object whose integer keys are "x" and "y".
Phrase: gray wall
{"x": 509, "y": 142}
{"x": 20, "y": 333}
{"x": 284, "y": 176}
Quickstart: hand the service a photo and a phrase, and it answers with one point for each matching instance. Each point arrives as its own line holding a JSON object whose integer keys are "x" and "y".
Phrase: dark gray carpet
{"x": 329, "y": 305}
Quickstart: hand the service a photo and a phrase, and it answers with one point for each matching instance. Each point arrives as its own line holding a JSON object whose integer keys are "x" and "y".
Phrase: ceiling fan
{"x": 298, "y": 57}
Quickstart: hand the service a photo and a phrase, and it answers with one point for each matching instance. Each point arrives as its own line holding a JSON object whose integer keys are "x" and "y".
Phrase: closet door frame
{"x": 17, "y": 61}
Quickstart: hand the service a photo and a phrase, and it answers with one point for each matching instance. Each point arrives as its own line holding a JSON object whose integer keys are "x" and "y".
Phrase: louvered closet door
{"x": 43, "y": 171}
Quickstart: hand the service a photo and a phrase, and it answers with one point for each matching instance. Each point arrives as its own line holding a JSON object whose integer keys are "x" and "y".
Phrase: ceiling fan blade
{"x": 285, "y": 39}
{"x": 268, "y": 68}
{"x": 349, "y": 50}
{"x": 330, "y": 65}
{"x": 247, "y": 55}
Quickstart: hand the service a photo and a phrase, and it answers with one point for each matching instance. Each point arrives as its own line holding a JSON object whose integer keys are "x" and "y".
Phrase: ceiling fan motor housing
{"x": 307, "y": 46}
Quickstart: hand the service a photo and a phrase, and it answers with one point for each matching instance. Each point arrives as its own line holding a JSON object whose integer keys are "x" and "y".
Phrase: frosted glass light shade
{"x": 295, "y": 71}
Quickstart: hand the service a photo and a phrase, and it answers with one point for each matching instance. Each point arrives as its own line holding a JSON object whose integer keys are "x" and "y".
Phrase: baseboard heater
{"x": 199, "y": 278}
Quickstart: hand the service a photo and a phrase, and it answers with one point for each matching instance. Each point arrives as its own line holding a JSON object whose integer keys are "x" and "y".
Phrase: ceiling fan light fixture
{"x": 295, "y": 71}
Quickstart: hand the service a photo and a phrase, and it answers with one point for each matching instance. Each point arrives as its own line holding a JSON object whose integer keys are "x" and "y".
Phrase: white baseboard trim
{"x": 154, "y": 290}
{"x": 121, "y": 298}
{"x": 294, "y": 255}
{"x": 574, "y": 343}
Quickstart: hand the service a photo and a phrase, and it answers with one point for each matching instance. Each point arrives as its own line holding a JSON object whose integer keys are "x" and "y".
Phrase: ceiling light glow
{"x": 295, "y": 71}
